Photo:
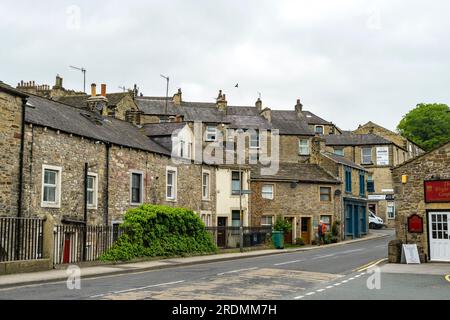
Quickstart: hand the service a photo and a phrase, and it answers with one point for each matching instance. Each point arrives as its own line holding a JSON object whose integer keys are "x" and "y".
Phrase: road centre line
{"x": 287, "y": 262}
{"x": 235, "y": 271}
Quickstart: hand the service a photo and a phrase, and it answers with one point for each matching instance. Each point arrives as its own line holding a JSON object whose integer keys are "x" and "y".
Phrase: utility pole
{"x": 167, "y": 90}
{"x": 83, "y": 70}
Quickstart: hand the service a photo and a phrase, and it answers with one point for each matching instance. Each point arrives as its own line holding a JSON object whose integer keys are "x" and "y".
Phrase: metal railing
{"x": 229, "y": 237}
{"x": 21, "y": 238}
{"x": 77, "y": 243}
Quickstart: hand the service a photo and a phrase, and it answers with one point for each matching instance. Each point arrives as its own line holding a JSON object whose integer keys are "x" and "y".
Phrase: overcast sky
{"x": 349, "y": 61}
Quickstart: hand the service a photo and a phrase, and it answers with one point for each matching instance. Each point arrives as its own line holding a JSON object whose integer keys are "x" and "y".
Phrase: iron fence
{"x": 229, "y": 237}
{"x": 21, "y": 238}
{"x": 77, "y": 243}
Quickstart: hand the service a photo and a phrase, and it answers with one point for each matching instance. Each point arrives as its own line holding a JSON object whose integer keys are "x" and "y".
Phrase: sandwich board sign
{"x": 410, "y": 254}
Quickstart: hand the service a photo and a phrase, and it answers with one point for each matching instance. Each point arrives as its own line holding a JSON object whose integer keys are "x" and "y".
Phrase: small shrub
{"x": 300, "y": 241}
{"x": 282, "y": 225}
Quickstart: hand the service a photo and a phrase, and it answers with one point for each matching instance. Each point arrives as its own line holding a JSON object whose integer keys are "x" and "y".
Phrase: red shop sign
{"x": 437, "y": 191}
{"x": 415, "y": 224}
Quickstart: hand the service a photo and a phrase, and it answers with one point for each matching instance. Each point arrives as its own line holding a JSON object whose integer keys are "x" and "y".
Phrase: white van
{"x": 375, "y": 222}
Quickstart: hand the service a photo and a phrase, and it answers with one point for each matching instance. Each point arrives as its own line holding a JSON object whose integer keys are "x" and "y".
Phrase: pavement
{"x": 287, "y": 274}
{"x": 114, "y": 269}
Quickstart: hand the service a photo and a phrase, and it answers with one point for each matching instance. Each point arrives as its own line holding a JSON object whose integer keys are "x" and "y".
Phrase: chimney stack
{"x": 258, "y": 104}
{"x": 93, "y": 90}
{"x": 221, "y": 102}
{"x": 299, "y": 108}
{"x": 103, "y": 90}
{"x": 177, "y": 98}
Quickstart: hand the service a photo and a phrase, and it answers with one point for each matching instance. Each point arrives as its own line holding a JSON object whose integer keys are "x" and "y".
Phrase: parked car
{"x": 375, "y": 222}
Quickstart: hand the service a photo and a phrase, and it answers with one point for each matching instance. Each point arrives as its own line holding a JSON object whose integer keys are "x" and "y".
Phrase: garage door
{"x": 439, "y": 225}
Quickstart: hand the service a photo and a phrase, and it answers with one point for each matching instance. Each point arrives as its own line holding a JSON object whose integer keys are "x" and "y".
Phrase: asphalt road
{"x": 282, "y": 276}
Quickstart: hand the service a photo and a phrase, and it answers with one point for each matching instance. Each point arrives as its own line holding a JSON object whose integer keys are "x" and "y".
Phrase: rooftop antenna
{"x": 259, "y": 95}
{"x": 167, "y": 90}
{"x": 84, "y": 76}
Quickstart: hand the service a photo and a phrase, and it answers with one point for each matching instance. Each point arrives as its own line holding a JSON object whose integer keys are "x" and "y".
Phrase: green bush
{"x": 154, "y": 230}
{"x": 300, "y": 241}
{"x": 282, "y": 225}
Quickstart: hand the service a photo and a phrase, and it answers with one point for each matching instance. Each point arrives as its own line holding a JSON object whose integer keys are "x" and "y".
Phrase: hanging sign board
{"x": 382, "y": 156}
{"x": 410, "y": 254}
{"x": 437, "y": 191}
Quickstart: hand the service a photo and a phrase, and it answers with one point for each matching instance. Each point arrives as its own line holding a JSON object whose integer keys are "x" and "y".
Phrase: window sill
{"x": 136, "y": 204}
{"x": 171, "y": 200}
{"x": 51, "y": 205}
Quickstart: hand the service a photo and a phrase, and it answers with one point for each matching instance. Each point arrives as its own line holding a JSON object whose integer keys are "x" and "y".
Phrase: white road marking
{"x": 357, "y": 276}
{"x": 329, "y": 287}
{"x": 320, "y": 290}
{"x": 310, "y": 293}
{"x": 337, "y": 284}
{"x": 350, "y": 251}
{"x": 344, "y": 281}
{"x": 235, "y": 271}
{"x": 288, "y": 262}
{"x": 352, "y": 278}
{"x": 299, "y": 297}
{"x": 140, "y": 288}
{"x": 324, "y": 256}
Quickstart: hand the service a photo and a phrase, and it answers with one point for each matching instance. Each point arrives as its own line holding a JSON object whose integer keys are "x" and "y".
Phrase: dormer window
{"x": 319, "y": 130}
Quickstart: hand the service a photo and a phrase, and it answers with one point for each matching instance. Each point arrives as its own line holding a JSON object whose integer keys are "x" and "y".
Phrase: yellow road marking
{"x": 447, "y": 277}
{"x": 370, "y": 265}
{"x": 365, "y": 265}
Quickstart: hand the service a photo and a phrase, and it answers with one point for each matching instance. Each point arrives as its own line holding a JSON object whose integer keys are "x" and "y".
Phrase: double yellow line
{"x": 369, "y": 265}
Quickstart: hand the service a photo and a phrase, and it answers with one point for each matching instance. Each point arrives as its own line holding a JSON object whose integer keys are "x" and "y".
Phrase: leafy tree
{"x": 427, "y": 125}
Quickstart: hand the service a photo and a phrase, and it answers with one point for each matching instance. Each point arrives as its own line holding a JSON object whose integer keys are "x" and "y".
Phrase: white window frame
{"x": 208, "y": 186}
{"x": 251, "y": 140}
{"x": 263, "y": 223}
{"x": 57, "y": 203}
{"x": 182, "y": 148}
{"x": 131, "y": 187}
{"x": 94, "y": 205}
{"x": 209, "y": 134}
{"x": 272, "y": 193}
{"x": 175, "y": 182}
{"x": 301, "y": 147}
{"x": 319, "y": 126}
{"x": 362, "y": 155}
{"x": 390, "y": 204}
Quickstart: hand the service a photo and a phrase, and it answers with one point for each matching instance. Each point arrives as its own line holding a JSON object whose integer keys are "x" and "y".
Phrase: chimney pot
{"x": 103, "y": 90}
{"x": 299, "y": 108}
{"x": 93, "y": 90}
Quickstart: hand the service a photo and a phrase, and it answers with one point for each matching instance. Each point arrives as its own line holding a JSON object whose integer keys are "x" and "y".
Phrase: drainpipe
{"x": 85, "y": 208}
{"x": 106, "y": 209}
{"x": 21, "y": 160}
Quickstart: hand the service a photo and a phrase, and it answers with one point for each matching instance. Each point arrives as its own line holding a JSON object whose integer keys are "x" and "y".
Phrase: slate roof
{"x": 80, "y": 101}
{"x": 162, "y": 129}
{"x": 311, "y": 118}
{"x": 58, "y": 116}
{"x": 354, "y": 140}
{"x": 342, "y": 160}
{"x": 289, "y": 123}
{"x": 298, "y": 172}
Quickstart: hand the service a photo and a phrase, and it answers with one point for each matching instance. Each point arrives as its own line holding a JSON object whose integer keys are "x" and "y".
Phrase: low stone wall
{"x": 11, "y": 267}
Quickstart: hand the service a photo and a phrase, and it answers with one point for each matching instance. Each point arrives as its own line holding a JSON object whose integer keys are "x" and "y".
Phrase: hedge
{"x": 155, "y": 230}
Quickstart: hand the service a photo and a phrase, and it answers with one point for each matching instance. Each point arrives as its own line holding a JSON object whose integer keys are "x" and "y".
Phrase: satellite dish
{"x": 337, "y": 193}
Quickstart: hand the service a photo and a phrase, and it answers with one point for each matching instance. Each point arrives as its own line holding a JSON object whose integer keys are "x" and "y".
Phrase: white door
{"x": 439, "y": 225}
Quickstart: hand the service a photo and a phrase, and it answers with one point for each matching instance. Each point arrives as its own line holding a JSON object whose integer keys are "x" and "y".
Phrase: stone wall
{"x": 289, "y": 149}
{"x": 10, "y": 134}
{"x": 410, "y": 196}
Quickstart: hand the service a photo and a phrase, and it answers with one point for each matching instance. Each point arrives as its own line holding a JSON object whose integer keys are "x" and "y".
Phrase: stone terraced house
{"x": 48, "y": 147}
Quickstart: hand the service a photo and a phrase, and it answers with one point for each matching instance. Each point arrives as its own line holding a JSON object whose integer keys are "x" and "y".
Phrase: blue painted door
{"x": 356, "y": 222}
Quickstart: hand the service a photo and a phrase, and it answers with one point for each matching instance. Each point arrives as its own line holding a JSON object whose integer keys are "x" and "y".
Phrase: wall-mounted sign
{"x": 437, "y": 191}
{"x": 382, "y": 156}
{"x": 377, "y": 197}
{"x": 415, "y": 224}
{"x": 390, "y": 197}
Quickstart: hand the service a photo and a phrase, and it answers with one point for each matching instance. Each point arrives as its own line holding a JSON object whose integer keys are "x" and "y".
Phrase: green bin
{"x": 278, "y": 239}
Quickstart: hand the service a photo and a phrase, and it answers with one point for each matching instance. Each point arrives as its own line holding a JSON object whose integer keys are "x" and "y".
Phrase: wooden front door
{"x": 288, "y": 235}
{"x": 306, "y": 230}
{"x": 222, "y": 232}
